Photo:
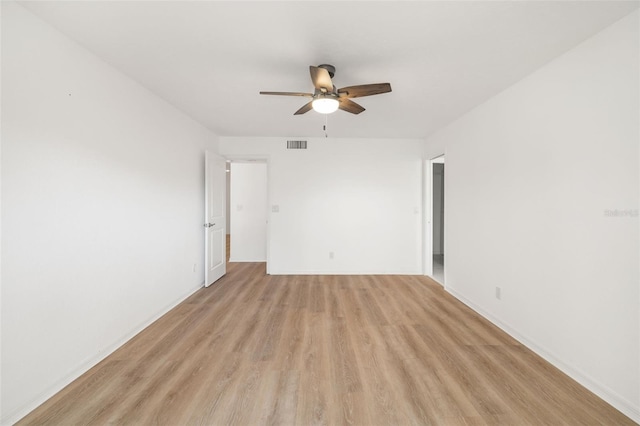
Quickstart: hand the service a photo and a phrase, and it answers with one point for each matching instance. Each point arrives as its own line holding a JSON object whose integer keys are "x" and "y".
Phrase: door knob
{"x": 209, "y": 225}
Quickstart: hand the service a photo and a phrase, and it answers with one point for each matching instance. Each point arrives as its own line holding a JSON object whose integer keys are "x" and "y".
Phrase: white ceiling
{"x": 211, "y": 58}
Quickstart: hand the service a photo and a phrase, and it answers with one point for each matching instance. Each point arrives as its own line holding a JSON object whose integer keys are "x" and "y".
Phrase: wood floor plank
{"x": 255, "y": 349}
{"x": 278, "y": 398}
{"x": 313, "y": 399}
{"x": 208, "y": 407}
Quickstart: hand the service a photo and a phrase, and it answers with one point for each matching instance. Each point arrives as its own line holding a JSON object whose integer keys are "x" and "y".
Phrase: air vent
{"x": 296, "y": 144}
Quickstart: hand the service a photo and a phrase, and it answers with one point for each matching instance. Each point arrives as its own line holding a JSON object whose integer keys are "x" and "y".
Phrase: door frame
{"x": 262, "y": 159}
{"x": 428, "y": 216}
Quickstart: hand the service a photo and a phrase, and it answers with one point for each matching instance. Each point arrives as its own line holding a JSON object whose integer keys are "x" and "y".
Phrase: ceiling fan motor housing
{"x": 330, "y": 68}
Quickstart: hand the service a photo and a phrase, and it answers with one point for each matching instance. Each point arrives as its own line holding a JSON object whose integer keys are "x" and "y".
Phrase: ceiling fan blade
{"x": 350, "y": 106}
{"x": 364, "y": 90}
{"x": 307, "y": 95}
{"x": 321, "y": 78}
{"x": 305, "y": 108}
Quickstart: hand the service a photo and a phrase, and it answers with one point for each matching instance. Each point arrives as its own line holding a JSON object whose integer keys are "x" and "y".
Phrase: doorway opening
{"x": 437, "y": 218}
{"x": 247, "y": 211}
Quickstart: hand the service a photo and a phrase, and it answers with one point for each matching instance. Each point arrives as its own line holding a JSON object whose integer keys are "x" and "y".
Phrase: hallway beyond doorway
{"x": 438, "y": 268}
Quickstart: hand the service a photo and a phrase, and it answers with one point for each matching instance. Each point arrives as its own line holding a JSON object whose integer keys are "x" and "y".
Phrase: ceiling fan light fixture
{"x": 325, "y": 105}
{"x": 327, "y": 98}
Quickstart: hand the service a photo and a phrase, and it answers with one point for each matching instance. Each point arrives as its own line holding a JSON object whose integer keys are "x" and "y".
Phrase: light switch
{"x": 275, "y": 208}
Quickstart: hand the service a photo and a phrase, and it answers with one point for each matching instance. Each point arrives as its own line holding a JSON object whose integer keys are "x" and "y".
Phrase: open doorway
{"x": 247, "y": 180}
{"x": 437, "y": 218}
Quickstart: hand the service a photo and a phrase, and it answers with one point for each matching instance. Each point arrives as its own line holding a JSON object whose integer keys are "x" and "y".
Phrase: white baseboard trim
{"x": 231, "y": 259}
{"x": 87, "y": 364}
{"x": 611, "y": 397}
{"x": 323, "y": 272}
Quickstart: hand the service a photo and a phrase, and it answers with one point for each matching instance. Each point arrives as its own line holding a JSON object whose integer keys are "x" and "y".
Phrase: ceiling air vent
{"x": 296, "y": 144}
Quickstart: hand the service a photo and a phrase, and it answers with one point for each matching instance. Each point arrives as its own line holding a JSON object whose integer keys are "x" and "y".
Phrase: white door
{"x": 215, "y": 211}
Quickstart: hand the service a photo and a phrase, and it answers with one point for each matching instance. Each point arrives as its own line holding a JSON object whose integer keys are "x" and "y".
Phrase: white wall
{"x": 360, "y": 199}
{"x": 102, "y": 209}
{"x": 248, "y": 212}
{"x": 531, "y": 175}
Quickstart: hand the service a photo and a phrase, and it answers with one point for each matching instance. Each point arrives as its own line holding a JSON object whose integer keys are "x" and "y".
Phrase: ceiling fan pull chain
{"x": 326, "y": 119}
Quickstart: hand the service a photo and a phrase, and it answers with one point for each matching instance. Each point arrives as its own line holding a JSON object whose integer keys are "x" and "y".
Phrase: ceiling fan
{"x": 326, "y": 98}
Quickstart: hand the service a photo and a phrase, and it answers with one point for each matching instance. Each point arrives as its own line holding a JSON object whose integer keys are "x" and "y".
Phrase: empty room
{"x": 320, "y": 212}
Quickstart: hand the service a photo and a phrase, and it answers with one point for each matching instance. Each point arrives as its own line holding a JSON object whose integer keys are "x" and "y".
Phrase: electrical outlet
{"x": 331, "y": 255}
{"x": 498, "y": 293}
{"x": 194, "y": 267}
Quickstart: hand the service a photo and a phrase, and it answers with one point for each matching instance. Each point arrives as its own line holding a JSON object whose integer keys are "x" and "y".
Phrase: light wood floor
{"x": 372, "y": 350}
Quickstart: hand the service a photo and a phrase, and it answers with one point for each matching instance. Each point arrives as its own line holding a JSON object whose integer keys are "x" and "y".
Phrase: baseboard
{"x": 611, "y": 397}
{"x": 87, "y": 364}
{"x": 231, "y": 259}
{"x": 323, "y": 272}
